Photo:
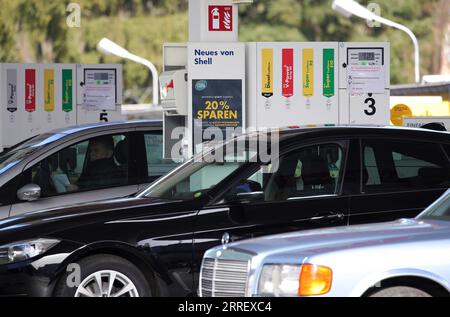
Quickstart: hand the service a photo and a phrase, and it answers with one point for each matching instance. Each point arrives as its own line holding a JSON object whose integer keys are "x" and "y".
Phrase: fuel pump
{"x": 37, "y": 98}
{"x": 235, "y": 86}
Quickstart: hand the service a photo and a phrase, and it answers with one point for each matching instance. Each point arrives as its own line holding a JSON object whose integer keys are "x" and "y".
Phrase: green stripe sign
{"x": 67, "y": 91}
{"x": 328, "y": 72}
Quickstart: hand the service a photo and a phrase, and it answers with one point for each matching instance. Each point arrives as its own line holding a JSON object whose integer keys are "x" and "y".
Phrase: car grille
{"x": 224, "y": 278}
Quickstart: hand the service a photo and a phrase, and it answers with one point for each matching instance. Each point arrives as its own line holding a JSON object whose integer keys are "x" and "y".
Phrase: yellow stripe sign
{"x": 49, "y": 90}
{"x": 267, "y": 72}
{"x": 308, "y": 72}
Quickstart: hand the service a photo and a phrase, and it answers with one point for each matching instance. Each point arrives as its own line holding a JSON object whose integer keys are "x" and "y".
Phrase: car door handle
{"x": 328, "y": 216}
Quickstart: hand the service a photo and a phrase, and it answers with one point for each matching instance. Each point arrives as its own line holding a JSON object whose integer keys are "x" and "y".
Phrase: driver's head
{"x": 101, "y": 148}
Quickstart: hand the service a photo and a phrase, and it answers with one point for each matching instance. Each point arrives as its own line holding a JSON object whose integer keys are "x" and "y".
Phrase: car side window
{"x": 310, "y": 171}
{"x": 100, "y": 162}
{"x": 156, "y": 164}
{"x": 403, "y": 165}
{"x": 371, "y": 171}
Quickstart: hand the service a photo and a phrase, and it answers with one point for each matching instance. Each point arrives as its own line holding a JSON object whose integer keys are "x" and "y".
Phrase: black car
{"x": 81, "y": 164}
{"x": 152, "y": 244}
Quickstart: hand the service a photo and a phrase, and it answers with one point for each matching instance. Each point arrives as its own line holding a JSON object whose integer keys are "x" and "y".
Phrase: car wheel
{"x": 104, "y": 276}
{"x": 400, "y": 291}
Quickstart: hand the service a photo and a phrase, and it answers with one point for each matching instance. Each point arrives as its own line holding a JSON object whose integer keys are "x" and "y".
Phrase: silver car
{"x": 81, "y": 164}
{"x": 408, "y": 257}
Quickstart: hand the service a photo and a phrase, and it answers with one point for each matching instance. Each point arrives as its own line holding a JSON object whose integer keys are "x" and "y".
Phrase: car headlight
{"x": 279, "y": 280}
{"x": 20, "y": 251}
{"x": 294, "y": 280}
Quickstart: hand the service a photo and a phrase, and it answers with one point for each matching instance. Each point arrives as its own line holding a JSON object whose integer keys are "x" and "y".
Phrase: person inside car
{"x": 101, "y": 169}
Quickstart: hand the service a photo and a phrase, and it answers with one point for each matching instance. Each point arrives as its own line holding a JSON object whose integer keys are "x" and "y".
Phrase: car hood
{"x": 44, "y": 222}
{"x": 315, "y": 242}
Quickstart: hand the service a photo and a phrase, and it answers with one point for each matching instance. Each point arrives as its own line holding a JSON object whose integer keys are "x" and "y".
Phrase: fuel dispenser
{"x": 214, "y": 82}
{"x": 99, "y": 93}
{"x": 37, "y": 98}
{"x": 211, "y": 86}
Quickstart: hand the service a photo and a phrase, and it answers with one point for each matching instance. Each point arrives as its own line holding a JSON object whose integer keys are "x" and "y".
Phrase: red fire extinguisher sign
{"x": 220, "y": 18}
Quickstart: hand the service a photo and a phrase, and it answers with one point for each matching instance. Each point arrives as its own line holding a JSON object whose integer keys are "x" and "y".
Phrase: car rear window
{"x": 403, "y": 165}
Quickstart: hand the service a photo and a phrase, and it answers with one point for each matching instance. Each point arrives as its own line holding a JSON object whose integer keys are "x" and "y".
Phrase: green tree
{"x": 36, "y": 30}
{"x": 8, "y": 28}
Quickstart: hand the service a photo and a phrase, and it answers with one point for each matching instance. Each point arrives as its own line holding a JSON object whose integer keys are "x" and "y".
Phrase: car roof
{"x": 107, "y": 125}
{"x": 285, "y": 132}
{"x": 60, "y": 135}
{"x": 376, "y": 130}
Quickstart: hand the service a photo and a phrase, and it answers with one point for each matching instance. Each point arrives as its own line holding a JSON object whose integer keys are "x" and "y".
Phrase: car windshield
{"x": 198, "y": 176}
{"x": 440, "y": 210}
{"x": 16, "y": 154}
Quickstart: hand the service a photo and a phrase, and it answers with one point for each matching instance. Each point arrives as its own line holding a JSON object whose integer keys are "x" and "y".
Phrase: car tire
{"x": 101, "y": 269}
{"x": 400, "y": 291}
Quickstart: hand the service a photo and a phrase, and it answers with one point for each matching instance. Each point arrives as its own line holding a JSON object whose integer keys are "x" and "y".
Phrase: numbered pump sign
{"x": 365, "y": 71}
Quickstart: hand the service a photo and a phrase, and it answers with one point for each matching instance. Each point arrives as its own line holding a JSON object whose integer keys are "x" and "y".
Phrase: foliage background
{"x": 36, "y": 31}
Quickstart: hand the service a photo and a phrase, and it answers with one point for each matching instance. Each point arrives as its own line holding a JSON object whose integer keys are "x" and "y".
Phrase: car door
{"x": 78, "y": 174}
{"x": 304, "y": 192}
{"x": 8, "y": 195}
{"x": 399, "y": 179}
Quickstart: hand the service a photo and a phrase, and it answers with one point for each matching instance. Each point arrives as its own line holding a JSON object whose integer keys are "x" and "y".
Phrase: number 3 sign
{"x": 369, "y": 109}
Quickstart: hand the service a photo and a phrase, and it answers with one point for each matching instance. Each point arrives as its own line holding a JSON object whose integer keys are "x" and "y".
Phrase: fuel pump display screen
{"x": 100, "y": 77}
{"x": 365, "y": 56}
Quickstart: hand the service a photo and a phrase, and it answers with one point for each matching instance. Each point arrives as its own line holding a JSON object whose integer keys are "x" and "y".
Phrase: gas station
{"x": 99, "y": 198}
{"x": 267, "y": 84}
{"x": 213, "y": 81}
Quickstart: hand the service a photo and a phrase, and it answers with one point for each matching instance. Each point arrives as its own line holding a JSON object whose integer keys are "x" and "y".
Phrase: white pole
{"x": 155, "y": 76}
{"x": 414, "y": 40}
{"x": 107, "y": 46}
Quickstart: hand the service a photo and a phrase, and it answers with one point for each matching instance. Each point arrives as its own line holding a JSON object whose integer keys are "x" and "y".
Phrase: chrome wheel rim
{"x": 107, "y": 283}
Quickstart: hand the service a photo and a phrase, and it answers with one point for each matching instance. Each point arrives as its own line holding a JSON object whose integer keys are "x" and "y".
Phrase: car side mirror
{"x": 29, "y": 192}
